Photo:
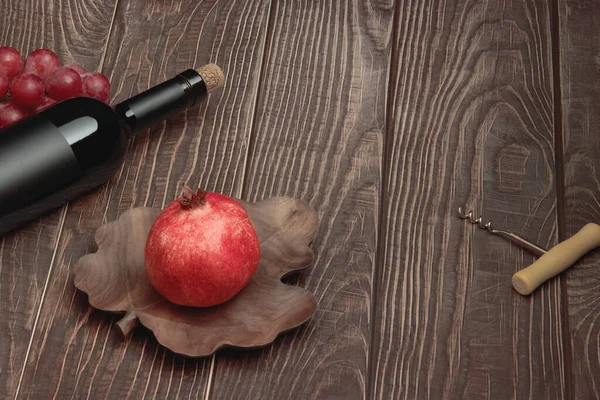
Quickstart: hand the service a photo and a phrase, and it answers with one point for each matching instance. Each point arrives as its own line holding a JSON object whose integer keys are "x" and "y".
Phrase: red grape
{"x": 63, "y": 84}
{"x": 10, "y": 113}
{"x": 42, "y": 62}
{"x": 97, "y": 86}
{"x": 10, "y": 62}
{"x": 46, "y": 102}
{"x": 77, "y": 68}
{"x": 27, "y": 90}
{"x": 3, "y": 86}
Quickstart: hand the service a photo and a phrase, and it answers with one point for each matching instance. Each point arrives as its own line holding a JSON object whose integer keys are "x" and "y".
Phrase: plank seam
{"x": 381, "y": 229}
{"x": 559, "y": 166}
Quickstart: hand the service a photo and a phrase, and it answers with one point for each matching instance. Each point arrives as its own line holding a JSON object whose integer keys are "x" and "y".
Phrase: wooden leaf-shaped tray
{"x": 115, "y": 280}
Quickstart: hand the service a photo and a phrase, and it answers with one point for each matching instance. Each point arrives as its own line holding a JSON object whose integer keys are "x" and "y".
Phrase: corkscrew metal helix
{"x": 550, "y": 263}
{"x": 535, "y": 249}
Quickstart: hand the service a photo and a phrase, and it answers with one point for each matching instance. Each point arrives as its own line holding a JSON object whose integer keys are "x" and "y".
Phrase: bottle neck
{"x": 161, "y": 102}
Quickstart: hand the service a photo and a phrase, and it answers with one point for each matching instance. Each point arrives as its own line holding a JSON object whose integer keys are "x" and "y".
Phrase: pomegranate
{"x": 202, "y": 250}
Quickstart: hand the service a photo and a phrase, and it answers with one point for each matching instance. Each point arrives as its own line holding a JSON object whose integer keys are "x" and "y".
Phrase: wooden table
{"x": 386, "y": 117}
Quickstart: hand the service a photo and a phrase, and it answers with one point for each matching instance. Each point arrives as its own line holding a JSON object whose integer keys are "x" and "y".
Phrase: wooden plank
{"x": 472, "y": 124}
{"x": 580, "y": 78}
{"x": 319, "y": 137}
{"x": 26, "y": 254}
{"x": 78, "y": 351}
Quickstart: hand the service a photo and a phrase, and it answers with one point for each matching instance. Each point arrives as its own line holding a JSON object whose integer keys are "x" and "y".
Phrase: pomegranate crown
{"x": 191, "y": 199}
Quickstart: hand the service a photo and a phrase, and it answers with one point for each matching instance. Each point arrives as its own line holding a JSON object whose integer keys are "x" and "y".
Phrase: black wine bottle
{"x": 74, "y": 146}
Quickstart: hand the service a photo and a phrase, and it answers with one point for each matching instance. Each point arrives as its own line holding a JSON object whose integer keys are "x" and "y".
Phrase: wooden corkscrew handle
{"x": 557, "y": 259}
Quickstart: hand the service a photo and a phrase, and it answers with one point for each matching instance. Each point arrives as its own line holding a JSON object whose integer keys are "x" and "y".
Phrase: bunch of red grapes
{"x": 29, "y": 87}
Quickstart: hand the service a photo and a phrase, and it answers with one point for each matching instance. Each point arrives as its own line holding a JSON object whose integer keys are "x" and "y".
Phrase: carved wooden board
{"x": 384, "y": 116}
{"x": 472, "y": 126}
{"x": 580, "y": 78}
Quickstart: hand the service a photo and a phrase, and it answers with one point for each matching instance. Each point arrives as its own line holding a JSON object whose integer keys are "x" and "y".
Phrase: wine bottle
{"x": 76, "y": 145}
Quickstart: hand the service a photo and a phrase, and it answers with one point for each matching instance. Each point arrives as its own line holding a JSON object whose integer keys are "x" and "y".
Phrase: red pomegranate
{"x": 202, "y": 250}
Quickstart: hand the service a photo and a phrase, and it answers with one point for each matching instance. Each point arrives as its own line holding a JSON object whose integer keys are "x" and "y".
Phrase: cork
{"x": 212, "y": 76}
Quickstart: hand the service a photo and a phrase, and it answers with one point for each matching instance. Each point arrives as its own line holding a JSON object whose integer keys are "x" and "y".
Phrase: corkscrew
{"x": 526, "y": 244}
{"x": 551, "y": 262}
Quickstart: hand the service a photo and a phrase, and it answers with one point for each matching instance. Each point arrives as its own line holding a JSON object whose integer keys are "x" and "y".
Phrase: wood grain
{"x": 319, "y": 137}
{"x": 580, "y": 78}
{"x": 472, "y": 125}
{"x": 78, "y": 352}
{"x": 71, "y": 29}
